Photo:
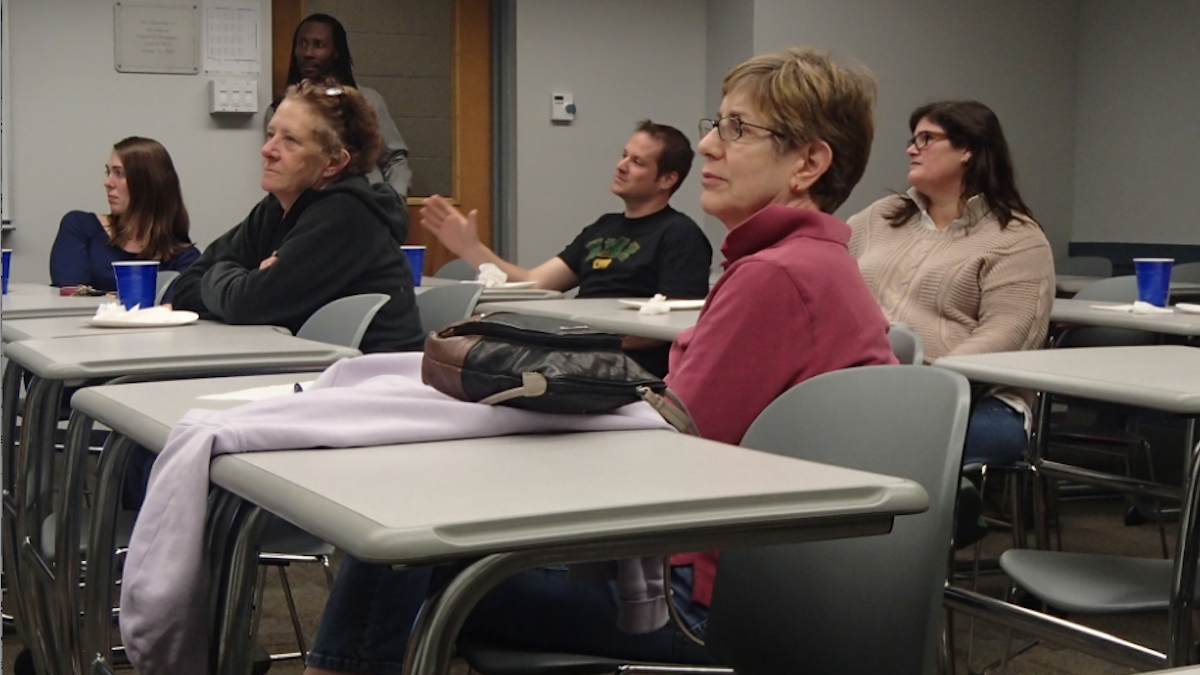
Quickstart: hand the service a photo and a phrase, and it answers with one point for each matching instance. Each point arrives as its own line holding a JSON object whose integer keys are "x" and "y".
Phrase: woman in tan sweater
{"x": 960, "y": 259}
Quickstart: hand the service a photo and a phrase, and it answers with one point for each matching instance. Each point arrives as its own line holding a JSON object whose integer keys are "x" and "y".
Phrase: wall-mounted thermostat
{"x": 232, "y": 96}
{"x": 562, "y": 107}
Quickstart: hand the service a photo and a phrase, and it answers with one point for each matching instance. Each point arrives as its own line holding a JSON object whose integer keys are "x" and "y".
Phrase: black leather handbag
{"x": 544, "y": 364}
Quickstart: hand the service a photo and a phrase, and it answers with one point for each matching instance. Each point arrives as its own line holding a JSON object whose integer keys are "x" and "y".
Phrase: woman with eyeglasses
{"x": 960, "y": 259}
{"x": 322, "y": 232}
{"x": 790, "y": 142}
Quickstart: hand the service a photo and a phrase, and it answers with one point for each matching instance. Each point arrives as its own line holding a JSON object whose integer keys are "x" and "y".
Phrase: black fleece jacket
{"x": 339, "y": 241}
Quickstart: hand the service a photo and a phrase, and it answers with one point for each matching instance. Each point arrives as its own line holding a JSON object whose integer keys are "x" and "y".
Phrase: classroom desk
{"x": 1160, "y": 377}
{"x": 30, "y": 301}
{"x": 500, "y": 504}
{"x": 567, "y": 308}
{"x": 28, "y": 474}
{"x": 627, "y": 321}
{"x": 493, "y": 294}
{"x": 16, "y": 330}
{"x": 1081, "y": 312}
{"x": 606, "y": 314}
{"x": 1068, "y": 285}
{"x": 1165, "y": 378}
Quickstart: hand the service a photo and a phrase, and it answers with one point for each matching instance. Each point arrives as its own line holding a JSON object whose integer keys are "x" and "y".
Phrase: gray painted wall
{"x": 70, "y": 105}
{"x": 729, "y": 41}
{"x": 1138, "y": 134}
{"x": 1017, "y": 56}
{"x": 624, "y": 60}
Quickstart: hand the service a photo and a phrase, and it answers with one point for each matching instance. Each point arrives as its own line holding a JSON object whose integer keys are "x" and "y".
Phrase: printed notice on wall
{"x": 231, "y": 39}
{"x": 157, "y": 39}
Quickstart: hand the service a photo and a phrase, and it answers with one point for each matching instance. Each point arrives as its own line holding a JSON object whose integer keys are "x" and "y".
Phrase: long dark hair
{"x": 973, "y": 126}
{"x": 156, "y": 214}
{"x": 343, "y": 63}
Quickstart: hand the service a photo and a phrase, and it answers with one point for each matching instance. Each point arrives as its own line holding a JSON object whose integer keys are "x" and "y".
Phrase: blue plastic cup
{"x": 7, "y": 258}
{"x": 1153, "y": 279}
{"x": 137, "y": 281}
{"x": 416, "y": 260}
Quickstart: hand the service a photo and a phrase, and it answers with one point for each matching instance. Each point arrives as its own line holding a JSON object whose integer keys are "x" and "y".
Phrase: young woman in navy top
{"x": 146, "y": 221}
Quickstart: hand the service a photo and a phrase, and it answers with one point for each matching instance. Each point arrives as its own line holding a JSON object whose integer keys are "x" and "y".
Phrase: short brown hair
{"x": 677, "y": 154}
{"x": 156, "y": 214}
{"x": 349, "y": 121}
{"x": 805, "y": 97}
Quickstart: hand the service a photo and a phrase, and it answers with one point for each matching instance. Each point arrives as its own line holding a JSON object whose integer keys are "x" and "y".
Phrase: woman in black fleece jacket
{"x": 321, "y": 234}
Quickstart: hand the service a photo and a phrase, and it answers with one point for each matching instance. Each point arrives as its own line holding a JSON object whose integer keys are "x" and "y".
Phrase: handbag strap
{"x": 532, "y": 384}
{"x": 671, "y": 408}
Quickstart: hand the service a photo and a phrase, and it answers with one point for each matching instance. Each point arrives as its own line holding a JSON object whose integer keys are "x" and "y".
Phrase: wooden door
{"x": 471, "y": 130}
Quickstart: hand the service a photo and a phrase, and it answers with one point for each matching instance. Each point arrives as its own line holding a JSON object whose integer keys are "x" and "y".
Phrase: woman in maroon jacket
{"x": 790, "y": 142}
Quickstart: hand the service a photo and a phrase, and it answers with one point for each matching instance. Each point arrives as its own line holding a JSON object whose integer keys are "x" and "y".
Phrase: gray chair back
{"x": 1113, "y": 289}
{"x": 861, "y": 605}
{"x": 343, "y": 321}
{"x": 1084, "y": 265}
{"x": 907, "y": 345}
{"x": 162, "y": 283}
{"x": 457, "y": 269}
{"x": 1189, "y": 272}
{"x": 441, "y": 306}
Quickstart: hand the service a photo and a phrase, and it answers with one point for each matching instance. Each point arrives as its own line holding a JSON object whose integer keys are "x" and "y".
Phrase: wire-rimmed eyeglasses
{"x": 730, "y": 128}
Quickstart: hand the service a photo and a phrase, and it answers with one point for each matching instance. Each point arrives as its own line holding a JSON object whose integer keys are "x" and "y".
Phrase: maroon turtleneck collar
{"x": 777, "y": 222}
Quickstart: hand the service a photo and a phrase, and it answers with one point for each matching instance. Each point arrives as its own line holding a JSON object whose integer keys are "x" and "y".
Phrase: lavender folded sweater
{"x": 371, "y": 400}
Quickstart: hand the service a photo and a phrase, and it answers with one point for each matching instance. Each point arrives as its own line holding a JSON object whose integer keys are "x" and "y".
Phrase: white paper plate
{"x": 507, "y": 285}
{"x": 175, "y": 318}
{"x": 1188, "y": 307}
{"x": 671, "y": 304}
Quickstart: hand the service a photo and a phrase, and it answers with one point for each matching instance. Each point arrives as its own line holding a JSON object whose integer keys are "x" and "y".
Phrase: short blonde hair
{"x": 805, "y": 97}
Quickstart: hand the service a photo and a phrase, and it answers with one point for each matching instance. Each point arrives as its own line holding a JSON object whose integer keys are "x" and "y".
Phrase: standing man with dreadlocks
{"x": 320, "y": 52}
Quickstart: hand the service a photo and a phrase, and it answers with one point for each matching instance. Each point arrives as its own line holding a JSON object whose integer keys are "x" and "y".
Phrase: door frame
{"x": 471, "y": 101}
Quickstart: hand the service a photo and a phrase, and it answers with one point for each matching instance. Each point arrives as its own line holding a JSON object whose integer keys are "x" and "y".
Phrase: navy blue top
{"x": 82, "y": 254}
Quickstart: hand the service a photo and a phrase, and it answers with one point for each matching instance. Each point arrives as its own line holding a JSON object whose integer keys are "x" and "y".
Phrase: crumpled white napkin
{"x": 115, "y": 311}
{"x": 1137, "y": 307}
{"x": 656, "y": 305}
{"x": 491, "y": 276}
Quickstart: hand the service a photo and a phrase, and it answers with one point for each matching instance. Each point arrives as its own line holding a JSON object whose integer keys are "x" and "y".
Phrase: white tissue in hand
{"x": 491, "y": 276}
{"x": 656, "y": 305}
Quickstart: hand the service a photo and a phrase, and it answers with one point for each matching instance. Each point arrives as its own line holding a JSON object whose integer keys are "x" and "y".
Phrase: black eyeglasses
{"x": 922, "y": 139}
{"x": 730, "y": 128}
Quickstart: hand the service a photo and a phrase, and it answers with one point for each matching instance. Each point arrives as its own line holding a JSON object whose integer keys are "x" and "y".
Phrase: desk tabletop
{"x": 427, "y": 502}
{"x": 179, "y": 352}
{"x": 15, "y": 330}
{"x": 627, "y": 321}
{"x": 1070, "y": 284}
{"x": 31, "y": 301}
{"x": 1157, "y": 377}
{"x": 606, "y": 314}
{"x": 566, "y": 308}
{"x": 1083, "y": 312}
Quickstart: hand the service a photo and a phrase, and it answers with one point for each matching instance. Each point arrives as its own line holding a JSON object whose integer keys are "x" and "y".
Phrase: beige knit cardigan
{"x": 969, "y": 288}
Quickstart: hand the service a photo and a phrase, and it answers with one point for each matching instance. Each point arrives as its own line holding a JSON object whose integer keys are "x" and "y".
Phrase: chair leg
{"x": 328, "y": 572}
{"x": 291, "y": 605}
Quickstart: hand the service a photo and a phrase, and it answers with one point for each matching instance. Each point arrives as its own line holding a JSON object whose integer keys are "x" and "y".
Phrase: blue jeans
{"x": 995, "y": 434}
{"x": 366, "y": 624}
